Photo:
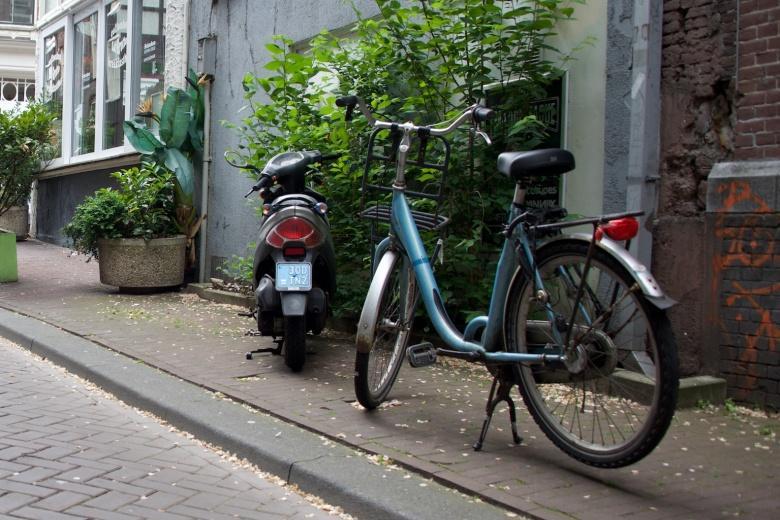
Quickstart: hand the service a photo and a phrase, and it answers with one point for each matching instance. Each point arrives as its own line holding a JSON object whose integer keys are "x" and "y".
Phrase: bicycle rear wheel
{"x": 389, "y": 312}
{"x": 611, "y": 402}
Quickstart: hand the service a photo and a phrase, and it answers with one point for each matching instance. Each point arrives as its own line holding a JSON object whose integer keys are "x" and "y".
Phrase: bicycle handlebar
{"x": 476, "y": 113}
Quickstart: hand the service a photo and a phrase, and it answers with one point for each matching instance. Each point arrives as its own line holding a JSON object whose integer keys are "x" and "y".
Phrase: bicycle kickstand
{"x": 496, "y": 396}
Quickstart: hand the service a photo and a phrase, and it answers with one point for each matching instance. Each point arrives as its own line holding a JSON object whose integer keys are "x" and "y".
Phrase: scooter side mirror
{"x": 235, "y": 160}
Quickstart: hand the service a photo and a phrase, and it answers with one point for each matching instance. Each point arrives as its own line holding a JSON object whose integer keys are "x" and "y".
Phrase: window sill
{"x": 89, "y": 163}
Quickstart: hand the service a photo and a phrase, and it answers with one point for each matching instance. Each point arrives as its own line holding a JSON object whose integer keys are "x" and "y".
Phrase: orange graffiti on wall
{"x": 748, "y": 246}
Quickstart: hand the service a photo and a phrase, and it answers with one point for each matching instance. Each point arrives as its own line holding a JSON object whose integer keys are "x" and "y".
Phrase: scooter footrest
{"x": 421, "y": 355}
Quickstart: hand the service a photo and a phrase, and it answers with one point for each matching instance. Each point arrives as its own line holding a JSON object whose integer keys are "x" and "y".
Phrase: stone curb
{"x": 337, "y": 474}
{"x": 205, "y": 291}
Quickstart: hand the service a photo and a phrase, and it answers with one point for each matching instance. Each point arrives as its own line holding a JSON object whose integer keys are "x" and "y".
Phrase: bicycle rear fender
{"x": 647, "y": 283}
{"x": 364, "y": 339}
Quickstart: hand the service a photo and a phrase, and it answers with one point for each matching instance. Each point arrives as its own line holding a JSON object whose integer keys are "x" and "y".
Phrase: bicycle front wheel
{"x": 388, "y": 313}
{"x": 610, "y": 403}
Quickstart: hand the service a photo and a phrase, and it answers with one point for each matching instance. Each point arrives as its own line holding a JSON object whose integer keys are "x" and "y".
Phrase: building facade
{"x": 17, "y": 52}
{"x": 97, "y": 60}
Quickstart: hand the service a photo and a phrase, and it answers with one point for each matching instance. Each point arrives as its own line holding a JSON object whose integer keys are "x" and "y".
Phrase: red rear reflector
{"x": 293, "y": 228}
{"x": 621, "y": 229}
{"x": 294, "y": 251}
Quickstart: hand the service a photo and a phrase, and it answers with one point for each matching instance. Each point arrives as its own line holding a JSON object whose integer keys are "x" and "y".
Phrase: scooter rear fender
{"x": 294, "y": 304}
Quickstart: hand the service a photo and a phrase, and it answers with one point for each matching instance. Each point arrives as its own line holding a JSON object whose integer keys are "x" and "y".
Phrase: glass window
{"x": 53, "y": 55}
{"x": 18, "y": 12}
{"x": 84, "y": 85}
{"x": 115, "y": 73}
{"x": 44, "y": 6}
{"x": 152, "y": 55}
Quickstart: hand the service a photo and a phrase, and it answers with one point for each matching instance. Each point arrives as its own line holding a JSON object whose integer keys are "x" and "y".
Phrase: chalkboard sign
{"x": 544, "y": 192}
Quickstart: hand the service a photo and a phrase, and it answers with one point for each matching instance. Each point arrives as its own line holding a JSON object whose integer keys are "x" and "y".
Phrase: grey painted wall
{"x": 241, "y": 29}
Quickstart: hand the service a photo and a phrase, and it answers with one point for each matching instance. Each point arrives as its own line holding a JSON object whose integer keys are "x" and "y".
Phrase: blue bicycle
{"x": 574, "y": 320}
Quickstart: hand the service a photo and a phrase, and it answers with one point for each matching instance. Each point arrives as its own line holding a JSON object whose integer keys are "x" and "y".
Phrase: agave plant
{"x": 179, "y": 142}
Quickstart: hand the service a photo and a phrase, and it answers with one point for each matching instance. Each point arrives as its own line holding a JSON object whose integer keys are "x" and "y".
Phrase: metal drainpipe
{"x": 644, "y": 141}
{"x": 204, "y": 185}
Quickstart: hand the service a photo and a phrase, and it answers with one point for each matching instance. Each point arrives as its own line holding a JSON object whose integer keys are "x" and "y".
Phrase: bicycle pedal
{"x": 421, "y": 355}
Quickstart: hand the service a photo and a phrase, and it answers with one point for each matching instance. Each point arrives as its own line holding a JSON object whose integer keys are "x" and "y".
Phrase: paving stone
{"x": 86, "y": 476}
{"x": 13, "y": 500}
{"x": 62, "y": 500}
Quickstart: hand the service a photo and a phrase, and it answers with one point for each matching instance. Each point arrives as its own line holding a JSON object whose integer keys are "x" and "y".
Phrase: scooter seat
{"x": 535, "y": 163}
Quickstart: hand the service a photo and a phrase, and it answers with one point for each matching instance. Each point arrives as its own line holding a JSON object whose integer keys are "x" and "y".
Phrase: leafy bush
{"x": 142, "y": 207}
{"x": 25, "y": 143}
{"x": 425, "y": 61}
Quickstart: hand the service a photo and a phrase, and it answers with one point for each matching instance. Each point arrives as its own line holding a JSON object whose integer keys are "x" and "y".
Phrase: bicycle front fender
{"x": 366, "y": 329}
{"x": 641, "y": 274}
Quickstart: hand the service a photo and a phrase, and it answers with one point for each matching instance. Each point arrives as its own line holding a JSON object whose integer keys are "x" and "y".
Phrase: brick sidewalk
{"x": 709, "y": 465}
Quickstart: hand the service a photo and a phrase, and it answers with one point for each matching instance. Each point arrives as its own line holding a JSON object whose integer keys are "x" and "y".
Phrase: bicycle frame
{"x": 404, "y": 231}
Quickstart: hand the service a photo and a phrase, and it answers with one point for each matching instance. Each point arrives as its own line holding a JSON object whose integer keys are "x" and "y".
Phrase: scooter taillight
{"x": 296, "y": 229}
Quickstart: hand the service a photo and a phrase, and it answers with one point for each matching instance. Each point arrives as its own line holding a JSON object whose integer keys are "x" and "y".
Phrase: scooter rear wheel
{"x": 294, "y": 342}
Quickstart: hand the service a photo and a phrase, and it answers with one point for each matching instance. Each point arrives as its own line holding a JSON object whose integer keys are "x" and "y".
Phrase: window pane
{"x": 45, "y": 6}
{"x": 16, "y": 11}
{"x": 23, "y": 12}
{"x": 84, "y": 85}
{"x": 53, "y": 52}
{"x": 116, "y": 70}
{"x": 152, "y": 55}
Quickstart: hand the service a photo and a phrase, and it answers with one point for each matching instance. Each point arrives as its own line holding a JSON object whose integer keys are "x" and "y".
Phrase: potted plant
{"x": 24, "y": 146}
{"x": 178, "y": 142}
{"x": 132, "y": 230}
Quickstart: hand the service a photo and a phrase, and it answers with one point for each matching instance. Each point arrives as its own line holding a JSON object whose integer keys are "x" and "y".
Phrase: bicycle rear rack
{"x": 374, "y": 197}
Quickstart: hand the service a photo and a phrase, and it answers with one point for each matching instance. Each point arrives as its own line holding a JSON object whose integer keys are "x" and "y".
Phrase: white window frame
{"x": 67, "y": 72}
{"x": 67, "y": 16}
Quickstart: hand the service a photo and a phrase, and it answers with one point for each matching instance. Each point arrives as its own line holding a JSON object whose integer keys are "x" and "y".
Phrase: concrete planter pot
{"x": 8, "y": 267}
{"x": 17, "y": 220}
{"x": 135, "y": 263}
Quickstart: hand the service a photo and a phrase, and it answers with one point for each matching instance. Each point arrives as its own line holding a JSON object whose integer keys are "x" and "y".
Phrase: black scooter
{"x": 295, "y": 263}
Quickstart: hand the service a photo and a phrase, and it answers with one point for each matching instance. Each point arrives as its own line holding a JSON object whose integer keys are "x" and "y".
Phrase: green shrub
{"x": 142, "y": 207}
{"x": 425, "y": 61}
{"x": 25, "y": 143}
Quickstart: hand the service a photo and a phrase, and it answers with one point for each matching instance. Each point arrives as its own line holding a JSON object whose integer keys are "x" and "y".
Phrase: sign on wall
{"x": 544, "y": 192}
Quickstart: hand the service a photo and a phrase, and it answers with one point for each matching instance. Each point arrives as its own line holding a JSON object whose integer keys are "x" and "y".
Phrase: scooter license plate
{"x": 293, "y": 276}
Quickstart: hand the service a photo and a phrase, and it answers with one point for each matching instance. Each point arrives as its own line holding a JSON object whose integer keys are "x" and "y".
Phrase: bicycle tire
{"x": 629, "y": 356}
{"x": 294, "y": 342}
{"x": 377, "y": 369}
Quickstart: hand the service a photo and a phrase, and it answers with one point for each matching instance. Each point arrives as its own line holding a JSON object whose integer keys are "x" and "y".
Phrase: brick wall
{"x": 697, "y": 88}
{"x": 758, "y": 102}
{"x": 748, "y": 265}
{"x": 698, "y": 82}
{"x": 744, "y": 290}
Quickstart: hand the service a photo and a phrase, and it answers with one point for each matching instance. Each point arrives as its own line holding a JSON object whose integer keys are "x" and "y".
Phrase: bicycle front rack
{"x": 379, "y": 173}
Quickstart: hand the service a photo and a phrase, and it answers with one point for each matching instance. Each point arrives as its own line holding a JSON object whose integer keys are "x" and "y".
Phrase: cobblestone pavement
{"x": 712, "y": 464}
{"x": 67, "y": 450}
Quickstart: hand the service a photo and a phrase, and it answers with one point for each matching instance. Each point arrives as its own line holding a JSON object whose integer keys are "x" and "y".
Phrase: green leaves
{"x": 175, "y": 116}
{"x": 25, "y": 143}
{"x": 142, "y": 207}
{"x": 175, "y": 161}
{"x": 144, "y": 141}
{"x": 417, "y": 60}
